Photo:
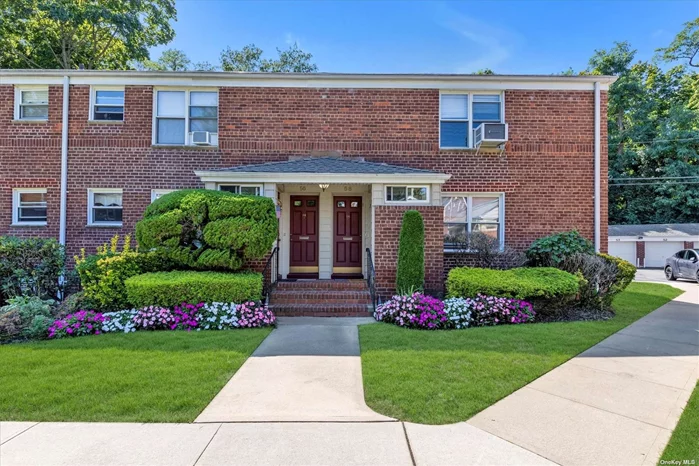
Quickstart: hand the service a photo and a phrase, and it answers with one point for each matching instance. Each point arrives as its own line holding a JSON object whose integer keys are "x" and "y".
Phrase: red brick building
{"x": 342, "y": 155}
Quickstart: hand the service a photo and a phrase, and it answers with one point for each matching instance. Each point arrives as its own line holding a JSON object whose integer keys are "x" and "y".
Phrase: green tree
{"x": 652, "y": 126}
{"x": 410, "y": 274}
{"x": 249, "y": 59}
{"x": 685, "y": 45}
{"x": 96, "y": 34}
{"x": 170, "y": 60}
{"x": 485, "y": 71}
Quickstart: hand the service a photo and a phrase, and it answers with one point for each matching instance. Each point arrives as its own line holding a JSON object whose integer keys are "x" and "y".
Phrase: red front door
{"x": 303, "y": 261}
{"x": 347, "y": 239}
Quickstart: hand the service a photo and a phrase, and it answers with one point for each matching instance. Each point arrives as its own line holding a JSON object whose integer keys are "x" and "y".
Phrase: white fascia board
{"x": 313, "y": 178}
{"x": 622, "y": 239}
{"x": 320, "y": 80}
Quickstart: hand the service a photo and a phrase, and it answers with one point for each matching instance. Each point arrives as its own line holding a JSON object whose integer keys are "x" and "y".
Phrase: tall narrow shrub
{"x": 410, "y": 275}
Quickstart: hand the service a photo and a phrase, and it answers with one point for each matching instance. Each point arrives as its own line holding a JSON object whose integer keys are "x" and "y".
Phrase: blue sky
{"x": 513, "y": 36}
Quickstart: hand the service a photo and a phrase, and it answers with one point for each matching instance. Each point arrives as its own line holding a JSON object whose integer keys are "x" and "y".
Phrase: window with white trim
{"x": 469, "y": 213}
{"x": 181, "y": 114}
{"x": 107, "y": 104}
{"x": 461, "y": 113}
{"x": 407, "y": 194}
{"x": 29, "y": 206}
{"x": 156, "y": 194}
{"x": 105, "y": 206}
{"x": 249, "y": 189}
{"x": 32, "y": 103}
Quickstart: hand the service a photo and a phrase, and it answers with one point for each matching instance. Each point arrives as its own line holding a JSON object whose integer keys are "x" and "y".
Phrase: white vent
{"x": 490, "y": 135}
{"x": 201, "y": 138}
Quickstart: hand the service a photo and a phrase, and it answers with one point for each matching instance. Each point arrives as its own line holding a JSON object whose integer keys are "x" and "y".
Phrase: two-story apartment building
{"x": 342, "y": 155}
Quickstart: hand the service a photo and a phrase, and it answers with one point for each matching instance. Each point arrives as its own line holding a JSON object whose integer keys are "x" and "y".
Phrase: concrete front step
{"x": 321, "y": 310}
{"x": 312, "y": 296}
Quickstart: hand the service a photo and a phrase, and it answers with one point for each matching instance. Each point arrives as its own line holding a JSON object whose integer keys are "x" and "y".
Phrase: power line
{"x": 658, "y": 140}
{"x": 654, "y": 178}
{"x": 654, "y": 184}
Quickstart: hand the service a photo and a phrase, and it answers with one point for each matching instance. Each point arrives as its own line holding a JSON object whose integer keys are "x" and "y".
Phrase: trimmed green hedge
{"x": 410, "y": 275}
{"x": 205, "y": 229}
{"x": 545, "y": 287}
{"x": 171, "y": 288}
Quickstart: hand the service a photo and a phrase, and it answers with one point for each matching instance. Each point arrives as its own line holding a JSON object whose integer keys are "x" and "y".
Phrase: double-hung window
{"x": 254, "y": 190}
{"x": 29, "y": 206}
{"x": 406, "y": 194}
{"x": 461, "y": 113}
{"x": 105, "y": 206}
{"x": 108, "y": 104}
{"x": 32, "y": 103}
{"x": 179, "y": 114}
{"x": 453, "y": 121}
{"x": 465, "y": 214}
{"x": 486, "y": 109}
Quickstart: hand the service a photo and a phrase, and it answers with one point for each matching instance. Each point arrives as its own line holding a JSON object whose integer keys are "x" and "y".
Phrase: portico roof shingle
{"x": 325, "y": 165}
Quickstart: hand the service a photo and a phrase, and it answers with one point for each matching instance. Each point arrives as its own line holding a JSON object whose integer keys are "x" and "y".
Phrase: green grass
{"x": 684, "y": 443}
{"x": 441, "y": 377}
{"x": 137, "y": 377}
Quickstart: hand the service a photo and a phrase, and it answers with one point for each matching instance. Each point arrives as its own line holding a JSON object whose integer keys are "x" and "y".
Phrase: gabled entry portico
{"x": 326, "y": 207}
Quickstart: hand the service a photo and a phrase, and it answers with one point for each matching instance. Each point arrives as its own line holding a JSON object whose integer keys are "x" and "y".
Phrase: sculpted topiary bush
{"x": 209, "y": 230}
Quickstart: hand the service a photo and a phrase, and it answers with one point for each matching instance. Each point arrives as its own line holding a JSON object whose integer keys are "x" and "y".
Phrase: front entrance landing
{"x": 307, "y": 370}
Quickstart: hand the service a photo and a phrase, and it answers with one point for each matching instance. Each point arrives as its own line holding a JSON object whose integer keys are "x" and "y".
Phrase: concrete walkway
{"x": 308, "y": 369}
{"x": 616, "y": 403}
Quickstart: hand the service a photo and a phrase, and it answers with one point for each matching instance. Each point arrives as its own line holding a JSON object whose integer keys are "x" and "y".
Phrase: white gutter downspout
{"x": 64, "y": 163}
{"x": 597, "y": 168}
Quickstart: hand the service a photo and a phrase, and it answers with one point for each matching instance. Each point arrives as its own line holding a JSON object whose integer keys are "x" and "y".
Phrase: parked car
{"x": 683, "y": 264}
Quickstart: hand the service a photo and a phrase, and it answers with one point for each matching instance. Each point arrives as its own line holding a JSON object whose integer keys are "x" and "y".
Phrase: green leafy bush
{"x": 168, "y": 289}
{"x": 410, "y": 275}
{"x": 627, "y": 272}
{"x": 26, "y": 317}
{"x": 209, "y": 230}
{"x": 551, "y": 251}
{"x": 30, "y": 266}
{"x": 546, "y": 288}
{"x": 102, "y": 275}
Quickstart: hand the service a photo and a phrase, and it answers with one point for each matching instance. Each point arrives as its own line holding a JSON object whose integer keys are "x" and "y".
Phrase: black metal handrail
{"x": 270, "y": 274}
{"x": 371, "y": 278}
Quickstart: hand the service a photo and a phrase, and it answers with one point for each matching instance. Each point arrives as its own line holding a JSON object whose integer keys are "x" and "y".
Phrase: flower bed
{"x": 416, "y": 310}
{"x": 181, "y": 317}
{"x": 426, "y": 312}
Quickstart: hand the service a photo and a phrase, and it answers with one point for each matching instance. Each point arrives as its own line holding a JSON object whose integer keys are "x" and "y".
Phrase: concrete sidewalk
{"x": 307, "y": 369}
{"x": 616, "y": 403}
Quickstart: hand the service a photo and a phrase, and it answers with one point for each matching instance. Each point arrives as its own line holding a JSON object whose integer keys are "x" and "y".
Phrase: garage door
{"x": 626, "y": 250}
{"x": 657, "y": 252}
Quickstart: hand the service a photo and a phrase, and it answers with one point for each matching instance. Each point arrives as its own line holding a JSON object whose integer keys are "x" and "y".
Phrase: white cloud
{"x": 489, "y": 45}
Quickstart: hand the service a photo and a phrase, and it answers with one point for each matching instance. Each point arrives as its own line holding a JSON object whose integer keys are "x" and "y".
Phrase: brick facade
{"x": 387, "y": 224}
{"x": 546, "y": 171}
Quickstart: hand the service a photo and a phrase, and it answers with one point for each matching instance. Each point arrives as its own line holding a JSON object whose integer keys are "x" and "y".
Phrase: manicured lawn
{"x": 142, "y": 376}
{"x": 684, "y": 443}
{"x": 441, "y": 377}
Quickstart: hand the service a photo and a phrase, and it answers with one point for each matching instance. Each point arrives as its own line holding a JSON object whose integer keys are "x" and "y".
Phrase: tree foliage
{"x": 653, "y": 129}
{"x": 685, "y": 46}
{"x": 249, "y": 59}
{"x": 410, "y": 273}
{"x": 96, "y": 34}
{"x": 170, "y": 60}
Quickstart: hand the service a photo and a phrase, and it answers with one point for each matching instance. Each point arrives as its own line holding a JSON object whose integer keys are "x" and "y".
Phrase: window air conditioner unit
{"x": 201, "y": 138}
{"x": 490, "y": 135}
